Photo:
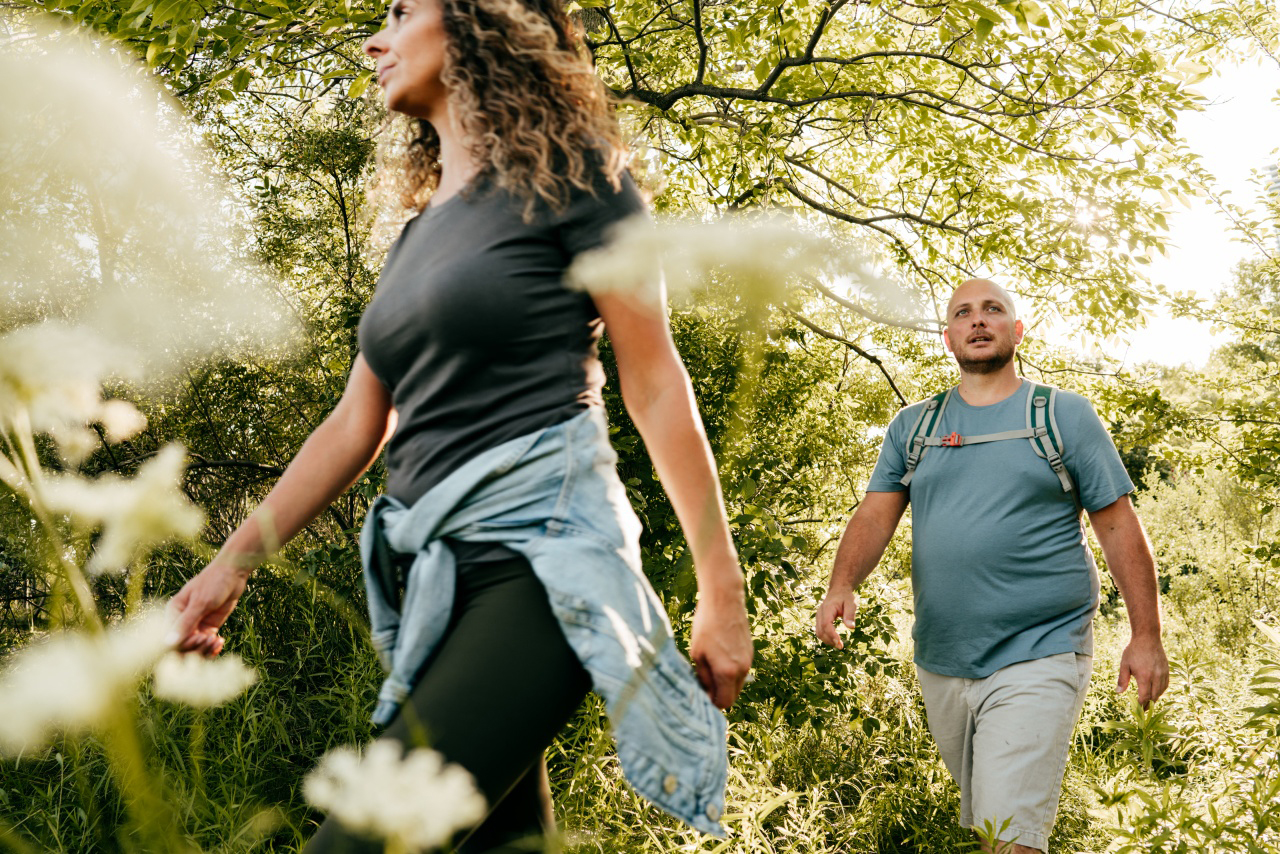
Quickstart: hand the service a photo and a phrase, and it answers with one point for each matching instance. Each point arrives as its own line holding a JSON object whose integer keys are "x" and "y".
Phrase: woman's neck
{"x": 457, "y": 163}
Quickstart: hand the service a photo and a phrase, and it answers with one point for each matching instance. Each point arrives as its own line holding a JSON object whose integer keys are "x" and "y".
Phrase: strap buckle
{"x": 955, "y": 440}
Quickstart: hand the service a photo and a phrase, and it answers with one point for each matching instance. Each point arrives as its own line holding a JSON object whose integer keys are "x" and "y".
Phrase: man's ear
{"x": 1017, "y": 332}
{"x": 946, "y": 340}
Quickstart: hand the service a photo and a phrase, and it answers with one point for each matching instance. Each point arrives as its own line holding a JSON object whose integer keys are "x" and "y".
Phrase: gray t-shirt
{"x": 474, "y": 333}
{"x": 1000, "y": 568}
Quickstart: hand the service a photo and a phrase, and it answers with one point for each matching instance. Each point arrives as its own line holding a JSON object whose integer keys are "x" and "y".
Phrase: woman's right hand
{"x": 720, "y": 645}
{"x": 203, "y": 605}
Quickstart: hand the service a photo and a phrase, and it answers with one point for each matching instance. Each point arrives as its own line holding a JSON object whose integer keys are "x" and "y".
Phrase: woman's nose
{"x": 375, "y": 46}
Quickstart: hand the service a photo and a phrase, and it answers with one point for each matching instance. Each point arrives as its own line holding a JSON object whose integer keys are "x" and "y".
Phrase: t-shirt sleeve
{"x": 587, "y": 221}
{"x": 891, "y": 465}
{"x": 1090, "y": 454}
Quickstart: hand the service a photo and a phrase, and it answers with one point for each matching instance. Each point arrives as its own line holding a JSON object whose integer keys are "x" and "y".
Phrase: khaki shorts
{"x": 1005, "y": 740}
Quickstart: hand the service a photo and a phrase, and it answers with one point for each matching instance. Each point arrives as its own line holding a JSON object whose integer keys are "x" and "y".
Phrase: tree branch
{"x": 875, "y": 360}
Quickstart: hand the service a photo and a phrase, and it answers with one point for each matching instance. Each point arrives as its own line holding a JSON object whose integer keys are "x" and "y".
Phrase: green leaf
{"x": 1034, "y": 13}
{"x": 762, "y": 68}
{"x": 164, "y": 11}
{"x": 983, "y": 12}
{"x": 359, "y": 84}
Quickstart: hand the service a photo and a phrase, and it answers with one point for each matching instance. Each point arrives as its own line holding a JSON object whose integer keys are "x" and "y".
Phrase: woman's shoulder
{"x": 605, "y": 192}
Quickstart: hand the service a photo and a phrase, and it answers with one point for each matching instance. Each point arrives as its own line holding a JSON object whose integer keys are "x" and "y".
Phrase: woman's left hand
{"x": 721, "y": 645}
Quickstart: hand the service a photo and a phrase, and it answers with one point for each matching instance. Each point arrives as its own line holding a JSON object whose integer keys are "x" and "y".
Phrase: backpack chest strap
{"x": 1041, "y": 430}
{"x": 955, "y": 440}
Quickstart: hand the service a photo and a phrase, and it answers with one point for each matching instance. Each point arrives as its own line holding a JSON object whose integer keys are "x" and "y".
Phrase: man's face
{"x": 981, "y": 329}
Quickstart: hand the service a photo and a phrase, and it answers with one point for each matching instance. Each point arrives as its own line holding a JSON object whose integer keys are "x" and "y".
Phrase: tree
{"x": 1032, "y": 141}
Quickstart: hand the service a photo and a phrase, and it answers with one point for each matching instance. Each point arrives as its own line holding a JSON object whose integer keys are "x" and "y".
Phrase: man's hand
{"x": 836, "y": 606}
{"x": 1144, "y": 663}
{"x": 720, "y": 646}
{"x": 203, "y": 605}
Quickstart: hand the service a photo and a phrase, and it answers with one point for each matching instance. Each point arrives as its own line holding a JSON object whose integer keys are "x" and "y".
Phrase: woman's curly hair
{"x": 528, "y": 100}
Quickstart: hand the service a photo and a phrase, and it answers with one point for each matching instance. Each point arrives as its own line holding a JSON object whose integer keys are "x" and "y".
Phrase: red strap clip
{"x": 955, "y": 440}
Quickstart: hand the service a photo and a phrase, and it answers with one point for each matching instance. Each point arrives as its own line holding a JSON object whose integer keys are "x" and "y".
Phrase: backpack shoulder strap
{"x": 926, "y": 427}
{"x": 1046, "y": 438}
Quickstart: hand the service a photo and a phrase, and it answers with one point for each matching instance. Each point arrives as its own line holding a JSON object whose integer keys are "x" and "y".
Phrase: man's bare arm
{"x": 1124, "y": 544}
{"x": 860, "y": 549}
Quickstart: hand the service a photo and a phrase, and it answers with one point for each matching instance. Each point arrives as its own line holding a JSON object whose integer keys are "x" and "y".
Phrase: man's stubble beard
{"x": 989, "y": 365}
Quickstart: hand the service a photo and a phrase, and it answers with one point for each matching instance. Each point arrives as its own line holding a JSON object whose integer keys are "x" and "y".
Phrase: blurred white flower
{"x": 70, "y": 682}
{"x": 135, "y": 515}
{"x": 763, "y": 258}
{"x": 415, "y": 799}
{"x": 112, "y": 215}
{"x": 51, "y": 378}
{"x": 120, "y": 420}
{"x": 201, "y": 682}
{"x": 53, "y": 372}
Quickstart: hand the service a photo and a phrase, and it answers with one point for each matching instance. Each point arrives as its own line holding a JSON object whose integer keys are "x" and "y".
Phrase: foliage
{"x": 1032, "y": 140}
{"x": 952, "y": 137}
{"x": 1229, "y": 800}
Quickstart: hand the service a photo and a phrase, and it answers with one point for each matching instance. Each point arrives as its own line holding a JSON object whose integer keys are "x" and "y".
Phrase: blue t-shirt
{"x": 1000, "y": 568}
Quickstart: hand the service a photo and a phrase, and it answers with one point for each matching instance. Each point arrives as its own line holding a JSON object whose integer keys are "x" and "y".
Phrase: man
{"x": 1005, "y": 586}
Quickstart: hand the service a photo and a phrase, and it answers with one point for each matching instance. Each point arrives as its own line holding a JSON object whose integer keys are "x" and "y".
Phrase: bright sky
{"x": 1238, "y": 133}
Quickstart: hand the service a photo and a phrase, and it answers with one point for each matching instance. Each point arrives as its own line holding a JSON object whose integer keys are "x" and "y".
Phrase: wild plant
{"x": 172, "y": 284}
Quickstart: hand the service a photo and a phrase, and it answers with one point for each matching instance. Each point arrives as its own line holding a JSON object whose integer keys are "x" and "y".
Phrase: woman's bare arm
{"x": 659, "y": 398}
{"x": 333, "y": 457}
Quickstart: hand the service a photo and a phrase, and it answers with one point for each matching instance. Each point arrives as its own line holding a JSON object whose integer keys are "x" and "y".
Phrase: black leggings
{"x": 502, "y": 684}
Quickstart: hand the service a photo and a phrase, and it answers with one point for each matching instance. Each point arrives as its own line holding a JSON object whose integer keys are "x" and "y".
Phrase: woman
{"x": 503, "y": 565}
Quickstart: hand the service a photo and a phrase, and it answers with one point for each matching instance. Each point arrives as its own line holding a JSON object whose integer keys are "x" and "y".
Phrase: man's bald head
{"x": 979, "y": 290}
{"x": 983, "y": 331}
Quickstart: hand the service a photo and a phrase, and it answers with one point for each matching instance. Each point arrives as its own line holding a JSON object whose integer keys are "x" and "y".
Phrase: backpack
{"x": 1041, "y": 430}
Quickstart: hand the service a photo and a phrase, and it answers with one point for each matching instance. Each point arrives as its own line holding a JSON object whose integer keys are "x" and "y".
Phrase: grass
{"x": 856, "y": 774}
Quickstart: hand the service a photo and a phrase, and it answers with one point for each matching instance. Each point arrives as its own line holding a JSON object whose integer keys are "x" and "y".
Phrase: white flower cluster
{"x": 126, "y": 238}
{"x": 135, "y": 515}
{"x": 415, "y": 800}
{"x": 201, "y": 682}
{"x": 70, "y": 682}
{"x": 110, "y": 215}
{"x": 51, "y": 378}
{"x": 762, "y": 257}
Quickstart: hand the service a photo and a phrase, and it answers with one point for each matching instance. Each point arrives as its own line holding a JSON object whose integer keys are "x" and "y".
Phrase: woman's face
{"x": 410, "y": 53}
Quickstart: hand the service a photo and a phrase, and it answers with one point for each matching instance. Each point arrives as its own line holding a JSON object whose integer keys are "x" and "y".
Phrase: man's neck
{"x": 986, "y": 389}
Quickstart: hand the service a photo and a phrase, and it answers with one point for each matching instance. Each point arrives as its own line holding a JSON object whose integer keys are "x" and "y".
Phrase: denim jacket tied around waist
{"x": 554, "y": 497}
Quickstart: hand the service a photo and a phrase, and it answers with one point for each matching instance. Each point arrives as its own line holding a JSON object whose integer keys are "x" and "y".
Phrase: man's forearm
{"x": 865, "y": 539}
{"x": 1128, "y": 553}
{"x": 1134, "y": 572}
{"x": 1134, "y": 569}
